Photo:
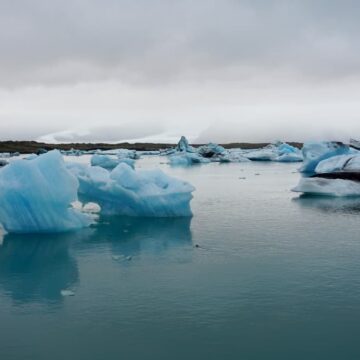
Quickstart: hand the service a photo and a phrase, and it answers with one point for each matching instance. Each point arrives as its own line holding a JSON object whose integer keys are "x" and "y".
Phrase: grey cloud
{"x": 99, "y": 134}
{"x": 168, "y": 41}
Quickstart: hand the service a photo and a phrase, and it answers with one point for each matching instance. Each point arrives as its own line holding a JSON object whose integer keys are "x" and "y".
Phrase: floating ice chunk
{"x": 31, "y": 157}
{"x": 124, "y": 191}
{"x": 183, "y": 145}
{"x": 187, "y": 159}
{"x": 284, "y": 148}
{"x": 211, "y": 150}
{"x": 72, "y": 152}
{"x": 186, "y": 155}
{"x": 328, "y": 187}
{"x": 291, "y": 157}
{"x": 3, "y": 162}
{"x": 129, "y": 154}
{"x": 107, "y": 162}
{"x": 128, "y": 161}
{"x": 66, "y": 293}
{"x": 339, "y": 163}
{"x": 314, "y": 152}
{"x": 281, "y": 152}
{"x": 235, "y": 155}
{"x": 104, "y": 161}
{"x": 91, "y": 208}
{"x": 266, "y": 154}
{"x": 35, "y": 196}
{"x": 355, "y": 144}
{"x": 149, "y": 152}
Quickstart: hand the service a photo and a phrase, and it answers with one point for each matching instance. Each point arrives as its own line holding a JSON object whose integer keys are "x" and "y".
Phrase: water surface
{"x": 257, "y": 273}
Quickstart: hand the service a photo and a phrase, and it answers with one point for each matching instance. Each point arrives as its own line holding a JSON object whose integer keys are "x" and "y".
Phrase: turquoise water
{"x": 257, "y": 273}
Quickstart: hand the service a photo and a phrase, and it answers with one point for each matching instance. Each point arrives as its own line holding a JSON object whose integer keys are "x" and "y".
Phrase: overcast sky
{"x": 220, "y": 70}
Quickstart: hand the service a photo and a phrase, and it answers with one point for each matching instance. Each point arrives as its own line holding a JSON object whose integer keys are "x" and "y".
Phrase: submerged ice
{"x": 36, "y": 196}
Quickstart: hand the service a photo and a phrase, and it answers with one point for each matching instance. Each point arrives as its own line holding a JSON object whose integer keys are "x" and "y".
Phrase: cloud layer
{"x": 167, "y": 66}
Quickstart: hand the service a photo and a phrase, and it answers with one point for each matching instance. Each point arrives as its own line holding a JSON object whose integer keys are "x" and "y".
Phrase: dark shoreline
{"x": 27, "y": 147}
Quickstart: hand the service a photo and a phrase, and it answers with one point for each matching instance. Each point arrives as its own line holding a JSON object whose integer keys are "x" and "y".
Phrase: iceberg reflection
{"x": 345, "y": 205}
{"x": 130, "y": 236}
{"x": 35, "y": 268}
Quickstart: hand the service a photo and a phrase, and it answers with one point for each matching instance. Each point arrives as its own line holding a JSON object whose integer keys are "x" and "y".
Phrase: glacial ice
{"x": 186, "y": 155}
{"x": 183, "y": 146}
{"x": 125, "y": 191}
{"x": 108, "y": 162}
{"x": 36, "y": 196}
{"x": 266, "y": 154}
{"x": 280, "y": 152}
{"x": 335, "y": 168}
{"x": 315, "y": 152}
{"x": 186, "y": 159}
{"x": 211, "y": 150}
{"x": 328, "y": 187}
{"x": 291, "y": 157}
{"x": 350, "y": 162}
{"x": 104, "y": 161}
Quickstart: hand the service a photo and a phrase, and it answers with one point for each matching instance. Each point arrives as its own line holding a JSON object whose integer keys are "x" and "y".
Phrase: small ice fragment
{"x": 117, "y": 257}
{"x": 67, "y": 293}
{"x": 91, "y": 208}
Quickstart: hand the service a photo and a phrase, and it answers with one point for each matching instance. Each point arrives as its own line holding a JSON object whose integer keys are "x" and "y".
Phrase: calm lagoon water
{"x": 275, "y": 276}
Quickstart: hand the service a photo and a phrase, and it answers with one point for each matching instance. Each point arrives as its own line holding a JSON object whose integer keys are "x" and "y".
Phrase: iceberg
{"x": 103, "y": 161}
{"x": 36, "y": 196}
{"x": 265, "y": 154}
{"x": 107, "y": 162}
{"x": 186, "y": 155}
{"x": 31, "y": 157}
{"x": 183, "y": 146}
{"x": 280, "y": 152}
{"x": 355, "y": 144}
{"x": 339, "y": 163}
{"x": 186, "y": 159}
{"x": 125, "y": 191}
{"x": 315, "y": 152}
{"x": 292, "y": 157}
{"x": 211, "y": 150}
{"x": 234, "y": 155}
{"x": 335, "y": 170}
{"x": 328, "y": 187}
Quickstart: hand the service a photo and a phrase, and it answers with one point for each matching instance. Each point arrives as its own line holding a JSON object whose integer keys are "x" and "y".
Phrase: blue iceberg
{"x": 315, "y": 152}
{"x": 211, "y": 151}
{"x": 280, "y": 152}
{"x": 186, "y": 159}
{"x": 328, "y": 187}
{"x": 108, "y": 162}
{"x": 186, "y": 155}
{"x": 183, "y": 146}
{"x": 334, "y": 169}
{"x": 125, "y": 191}
{"x": 36, "y": 196}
